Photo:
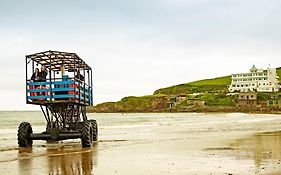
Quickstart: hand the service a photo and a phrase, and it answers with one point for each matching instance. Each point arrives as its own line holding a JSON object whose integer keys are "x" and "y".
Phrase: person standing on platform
{"x": 43, "y": 76}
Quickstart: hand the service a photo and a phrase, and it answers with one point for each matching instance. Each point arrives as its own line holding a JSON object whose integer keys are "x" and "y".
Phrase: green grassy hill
{"x": 215, "y": 81}
{"x": 213, "y": 93}
{"x": 209, "y": 85}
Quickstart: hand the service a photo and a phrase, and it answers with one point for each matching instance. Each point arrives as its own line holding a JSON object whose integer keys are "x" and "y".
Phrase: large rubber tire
{"x": 95, "y": 129}
{"x": 24, "y": 132}
{"x": 87, "y": 134}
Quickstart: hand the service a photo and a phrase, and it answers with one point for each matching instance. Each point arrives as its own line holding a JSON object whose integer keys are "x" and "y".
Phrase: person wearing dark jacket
{"x": 79, "y": 76}
{"x": 43, "y": 74}
{"x": 43, "y": 77}
{"x": 35, "y": 75}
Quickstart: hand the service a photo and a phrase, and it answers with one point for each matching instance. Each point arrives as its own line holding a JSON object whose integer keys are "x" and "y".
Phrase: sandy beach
{"x": 138, "y": 144}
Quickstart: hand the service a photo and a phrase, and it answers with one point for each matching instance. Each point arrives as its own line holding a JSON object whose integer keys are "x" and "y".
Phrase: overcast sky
{"x": 138, "y": 46}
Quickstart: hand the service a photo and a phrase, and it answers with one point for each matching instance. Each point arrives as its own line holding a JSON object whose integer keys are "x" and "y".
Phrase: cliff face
{"x": 162, "y": 103}
{"x": 153, "y": 103}
{"x": 211, "y": 91}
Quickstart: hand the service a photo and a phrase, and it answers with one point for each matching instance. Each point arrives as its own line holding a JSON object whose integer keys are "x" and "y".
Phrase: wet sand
{"x": 178, "y": 144}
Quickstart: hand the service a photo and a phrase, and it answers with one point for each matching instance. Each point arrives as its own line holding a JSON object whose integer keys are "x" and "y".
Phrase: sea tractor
{"x": 63, "y": 90}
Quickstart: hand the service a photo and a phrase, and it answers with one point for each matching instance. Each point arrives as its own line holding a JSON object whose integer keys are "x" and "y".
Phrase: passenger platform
{"x": 65, "y": 78}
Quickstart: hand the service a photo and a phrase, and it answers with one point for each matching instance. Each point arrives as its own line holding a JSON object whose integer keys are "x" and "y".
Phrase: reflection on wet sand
{"x": 71, "y": 162}
{"x": 25, "y": 162}
{"x": 63, "y": 161}
{"x": 264, "y": 148}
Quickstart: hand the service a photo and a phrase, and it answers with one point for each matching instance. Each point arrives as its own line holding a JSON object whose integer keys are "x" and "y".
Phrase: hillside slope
{"x": 208, "y": 85}
{"x": 278, "y": 71}
{"x": 149, "y": 103}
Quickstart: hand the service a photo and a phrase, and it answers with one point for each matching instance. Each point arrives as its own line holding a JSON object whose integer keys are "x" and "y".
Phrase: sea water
{"x": 112, "y": 124}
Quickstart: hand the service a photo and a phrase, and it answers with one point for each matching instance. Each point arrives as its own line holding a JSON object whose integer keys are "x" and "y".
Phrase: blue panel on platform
{"x": 39, "y": 97}
{"x": 64, "y": 96}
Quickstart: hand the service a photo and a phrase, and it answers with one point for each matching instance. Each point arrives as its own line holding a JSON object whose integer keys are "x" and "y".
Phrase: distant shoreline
{"x": 277, "y": 113}
{"x": 220, "y": 109}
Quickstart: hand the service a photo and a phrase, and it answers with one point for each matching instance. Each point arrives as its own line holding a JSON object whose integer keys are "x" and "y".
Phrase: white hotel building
{"x": 257, "y": 80}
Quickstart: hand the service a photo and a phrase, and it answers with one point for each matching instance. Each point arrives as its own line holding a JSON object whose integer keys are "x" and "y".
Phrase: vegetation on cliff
{"x": 150, "y": 103}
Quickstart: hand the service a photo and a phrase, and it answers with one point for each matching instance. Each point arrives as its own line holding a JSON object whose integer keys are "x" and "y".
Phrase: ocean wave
{"x": 8, "y": 148}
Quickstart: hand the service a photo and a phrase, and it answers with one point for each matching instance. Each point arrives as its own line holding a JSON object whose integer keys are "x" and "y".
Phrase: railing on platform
{"x": 72, "y": 90}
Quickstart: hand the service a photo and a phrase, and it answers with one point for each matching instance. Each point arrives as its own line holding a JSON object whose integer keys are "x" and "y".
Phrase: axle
{"x": 55, "y": 135}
